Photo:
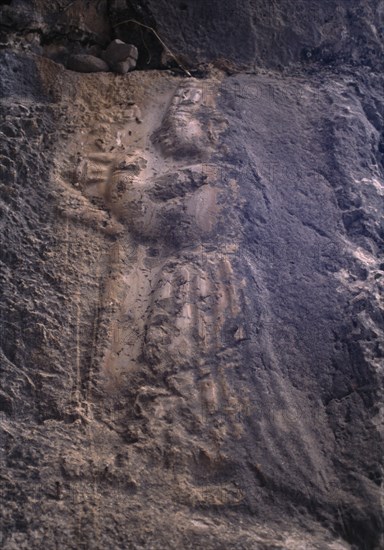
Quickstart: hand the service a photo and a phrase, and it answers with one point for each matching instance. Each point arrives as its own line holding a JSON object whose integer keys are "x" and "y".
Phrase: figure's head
{"x": 182, "y": 133}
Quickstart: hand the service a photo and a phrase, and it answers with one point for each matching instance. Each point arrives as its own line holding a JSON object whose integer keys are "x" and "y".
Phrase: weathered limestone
{"x": 191, "y": 321}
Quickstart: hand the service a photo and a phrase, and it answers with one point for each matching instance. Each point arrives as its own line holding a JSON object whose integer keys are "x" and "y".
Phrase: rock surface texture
{"x": 192, "y": 270}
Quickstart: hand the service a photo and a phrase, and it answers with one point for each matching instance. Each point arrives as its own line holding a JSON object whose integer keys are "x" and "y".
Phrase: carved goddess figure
{"x": 171, "y": 306}
{"x": 175, "y": 220}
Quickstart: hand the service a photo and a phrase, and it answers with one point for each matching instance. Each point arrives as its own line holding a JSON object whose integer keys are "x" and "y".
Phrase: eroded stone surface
{"x": 260, "y": 32}
{"x": 192, "y": 331}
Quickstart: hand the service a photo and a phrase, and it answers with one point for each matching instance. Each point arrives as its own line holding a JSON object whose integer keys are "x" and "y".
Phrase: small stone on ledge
{"x": 87, "y": 64}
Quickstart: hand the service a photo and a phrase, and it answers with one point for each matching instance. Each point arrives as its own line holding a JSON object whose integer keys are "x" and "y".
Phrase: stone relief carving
{"x": 180, "y": 294}
{"x": 172, "y": 304}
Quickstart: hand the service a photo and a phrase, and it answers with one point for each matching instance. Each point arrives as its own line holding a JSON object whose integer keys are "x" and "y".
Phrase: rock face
{"x": 192, "y": 272}
{"x": 264, "y": 33}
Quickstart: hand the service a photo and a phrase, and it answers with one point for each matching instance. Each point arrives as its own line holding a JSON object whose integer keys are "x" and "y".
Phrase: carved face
{"x": 182, "y": 134}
